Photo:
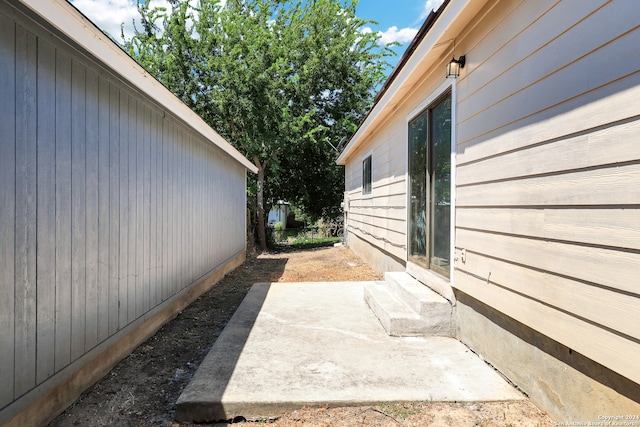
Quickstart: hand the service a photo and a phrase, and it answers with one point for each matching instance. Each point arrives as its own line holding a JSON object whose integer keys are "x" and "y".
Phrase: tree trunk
{"x": 262, "y": 235}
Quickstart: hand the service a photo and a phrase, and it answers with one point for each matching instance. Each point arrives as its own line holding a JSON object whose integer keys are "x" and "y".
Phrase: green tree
{"x": 282, "y": 80}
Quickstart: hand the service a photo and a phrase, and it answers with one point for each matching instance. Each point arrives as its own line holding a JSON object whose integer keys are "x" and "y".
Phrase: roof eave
{"x": 430, "y": 36}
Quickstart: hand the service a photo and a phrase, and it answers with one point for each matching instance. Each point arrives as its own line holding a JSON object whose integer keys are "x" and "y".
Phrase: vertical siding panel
{"x": 160, "y": 218}
{"x": 219, "y": 233}
{"x": 171, "y": 247}
{"x": 63, "y": 212}
{"x": 213, "y": 201}
{"x": 188, "y": 190}
{"x": 146, "y": 214}
{"x": 46, "y": 212}
{"x": 7, "y": 205}
{"x": 140, "y": 137}
{"x": 216, "y": 201}
{"x": 209, "y": 200}
{"x": 161, "y": 207}
{"x": 166, "y": 220}
{"x": 187, "y": 220}
{"x": 216, "y": 208}
{"x": 200, "y": 198}
{"x": 25, "y": 237}
{"x": 160, "y": 221}
{"x": 153, "y": 210}
{"x": 218, "y": 198}
{"x": 180, "y": 141}
{"x": 104, "y": 219}
{"x": 175, "y": 256}
{"x": 180, "y": 209}
{"x": 184, "y": 224}
{"x": 170, "y": 211}
{"x": 190, "y": 211}
{"x": 177, "y": 238}
{"x": 181, "y": 197}
{"x": 123, "y": 223}
{"x": 188, "y": 172}
{"x": 204, "y": 205}
{"x": 114, "y": 207}
{"x": 78, "y": 207}
{"x": 201, "y": 232}
{"x": 92, "y": 213}
{"x": 204, "y": 181}
{"x": 193, "y": 212}
{"x": 131, "y": 242}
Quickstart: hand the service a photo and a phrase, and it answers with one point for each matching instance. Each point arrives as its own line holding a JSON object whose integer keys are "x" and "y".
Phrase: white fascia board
{"x": 421, "y": 59}
{"x": 82, "y": 31}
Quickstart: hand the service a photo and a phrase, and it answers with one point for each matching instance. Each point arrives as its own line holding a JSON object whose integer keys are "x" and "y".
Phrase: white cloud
{"x": 429, "y": 6}
{"x": 108, "y": 15}
{"x": 394, "y": 35}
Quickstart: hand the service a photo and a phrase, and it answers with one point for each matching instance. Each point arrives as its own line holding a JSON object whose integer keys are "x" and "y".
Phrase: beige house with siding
{"x": 513, "y": 191}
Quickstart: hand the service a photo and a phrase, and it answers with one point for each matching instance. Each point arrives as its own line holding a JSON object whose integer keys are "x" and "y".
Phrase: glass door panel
{"x": 430, "y": 187}
{"x": 440, "y": 200}
{"x": 418, "y": 189}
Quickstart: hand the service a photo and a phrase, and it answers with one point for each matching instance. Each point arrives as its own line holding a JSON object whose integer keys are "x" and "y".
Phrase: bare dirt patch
{"x": 142, "y": 389}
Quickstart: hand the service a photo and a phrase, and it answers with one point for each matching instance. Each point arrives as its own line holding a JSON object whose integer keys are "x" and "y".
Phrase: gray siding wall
{"x": 109, "y": 207}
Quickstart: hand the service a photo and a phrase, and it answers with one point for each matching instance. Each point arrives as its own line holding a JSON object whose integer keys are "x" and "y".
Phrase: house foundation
{"x": 568, "y": 385}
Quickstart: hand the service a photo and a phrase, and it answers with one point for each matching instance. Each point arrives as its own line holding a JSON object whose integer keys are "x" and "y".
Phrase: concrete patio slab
{"x": 291, "y": 345}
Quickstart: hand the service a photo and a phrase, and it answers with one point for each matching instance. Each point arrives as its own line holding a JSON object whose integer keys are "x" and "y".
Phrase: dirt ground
{"x": 142, "y": 389}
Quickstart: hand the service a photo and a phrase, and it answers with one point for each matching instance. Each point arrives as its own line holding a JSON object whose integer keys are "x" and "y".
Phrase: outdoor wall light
{"x": 454, "y": 67}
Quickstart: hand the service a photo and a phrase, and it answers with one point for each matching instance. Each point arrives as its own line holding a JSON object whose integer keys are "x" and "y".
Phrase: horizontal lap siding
{"x": 548, "y": 173}
{"x": 110, "y": 207}
{"x": 380, "y": 218}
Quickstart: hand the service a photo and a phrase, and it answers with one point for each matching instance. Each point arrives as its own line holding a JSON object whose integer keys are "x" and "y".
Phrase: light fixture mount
{"x": 454, "y": 67}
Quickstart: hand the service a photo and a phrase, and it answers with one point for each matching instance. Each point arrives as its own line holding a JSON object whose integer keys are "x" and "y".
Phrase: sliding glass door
{"x": 430, "y": 186}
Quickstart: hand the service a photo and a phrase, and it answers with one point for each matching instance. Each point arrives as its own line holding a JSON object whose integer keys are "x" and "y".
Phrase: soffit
{"x": 438, "y": 40}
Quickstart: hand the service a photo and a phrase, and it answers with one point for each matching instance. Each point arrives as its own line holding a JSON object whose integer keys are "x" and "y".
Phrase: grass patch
{"x": 300, "y": 239}
{"x": 305, "y": 241}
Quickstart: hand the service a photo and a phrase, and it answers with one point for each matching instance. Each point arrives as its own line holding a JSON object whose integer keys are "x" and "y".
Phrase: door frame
{"x": 444, "y": 284}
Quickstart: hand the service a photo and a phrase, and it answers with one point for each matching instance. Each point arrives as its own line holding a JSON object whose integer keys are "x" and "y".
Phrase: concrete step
{"x": 406, "y": 307}
{"x": 398, "y": 319}
{"x": 416, "y": 295}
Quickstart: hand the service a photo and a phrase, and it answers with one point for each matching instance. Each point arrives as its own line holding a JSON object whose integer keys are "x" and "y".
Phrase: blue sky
{"x": 398, "y": 20}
